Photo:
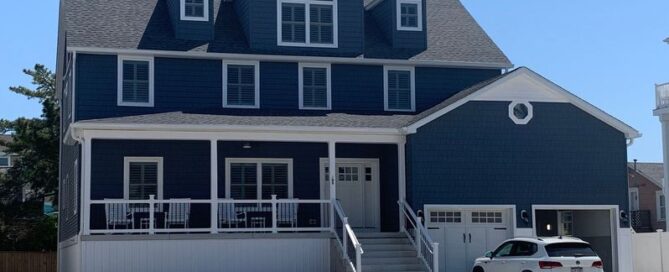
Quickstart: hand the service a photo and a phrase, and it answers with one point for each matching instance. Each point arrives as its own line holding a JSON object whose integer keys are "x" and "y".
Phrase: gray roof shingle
{"x": 654, "y": 171}
{"x": 453, "y": 35}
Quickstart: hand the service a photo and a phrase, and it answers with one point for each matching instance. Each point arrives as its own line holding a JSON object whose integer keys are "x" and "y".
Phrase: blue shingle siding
{"x": 191, "y": 30}
{"x": 262, "y": 22}
{"x": 68, "y": 220}
{"x": 196, "y": 85}
{"x": 385, "y": 16}
{"x": 477, "y": 155}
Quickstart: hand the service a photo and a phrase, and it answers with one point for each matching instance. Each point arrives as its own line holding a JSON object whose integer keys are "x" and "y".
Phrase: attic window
{"x": 308, "y": 23}
{"x": 520, "y": 112}
{"x": 194, "y": 10}
{"x": 409, "y": 15}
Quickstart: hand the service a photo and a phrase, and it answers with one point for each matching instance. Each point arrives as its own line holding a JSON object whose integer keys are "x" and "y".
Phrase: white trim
{"x": 258, "y": 162}
{"x": 119, "y": 82}
{"x": 615, "y": 223}
{"x": 531, "y": 75}
{"x": 307, "y": 23}
{"x": 328, "y": 73}
{"x": 658, "y": 207}
{"x": 183, "y": 16}
{"x": 75, "y": 209}
{"x": 419, "y": 10}
{"x": 213, "y": 166}
{"x": 256, "y": 66}
{"x": 412, "y": 73}
{"x": 126, "y": 174}
{"x": 629, "y": 193}
{"x": 527, "y": 119}
{"x": 74, "y": 86}
{"x": 288, "y": 58}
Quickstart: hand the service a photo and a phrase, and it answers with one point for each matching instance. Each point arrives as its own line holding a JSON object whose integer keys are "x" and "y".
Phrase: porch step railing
{"x": 347, "y": 240}
{"x": 427, "y": 250}
{"x": 156, "y": 216}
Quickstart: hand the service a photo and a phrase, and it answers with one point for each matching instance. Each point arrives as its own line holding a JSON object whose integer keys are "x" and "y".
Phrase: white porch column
{"x": 665, "y": 149}
{"x": 86, "y": 187}
{"x": 401, "y": 180}
{"x": 332, "y": 175}
{"x": 214, "y": 185}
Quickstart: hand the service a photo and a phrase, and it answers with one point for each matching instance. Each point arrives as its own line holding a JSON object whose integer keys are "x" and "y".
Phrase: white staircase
{"x": 389, "y": 251}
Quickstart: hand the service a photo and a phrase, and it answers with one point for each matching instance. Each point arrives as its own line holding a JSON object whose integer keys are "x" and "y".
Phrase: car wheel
{"x": 478, "y": 269}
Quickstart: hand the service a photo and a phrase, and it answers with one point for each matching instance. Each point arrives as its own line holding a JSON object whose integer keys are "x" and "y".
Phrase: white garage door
{"x": 466, "y": 234}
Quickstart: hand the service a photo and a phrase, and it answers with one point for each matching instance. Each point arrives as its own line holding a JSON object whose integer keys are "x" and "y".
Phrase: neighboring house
{"x": 203, "y": 135}
{"x": 647, "y": 206}
{"x": 5, "y": 157}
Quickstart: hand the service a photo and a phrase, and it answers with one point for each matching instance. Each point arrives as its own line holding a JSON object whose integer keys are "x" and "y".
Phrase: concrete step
{"x": 386, "y": 247}
{"x": 391, "y": 260}
{"x": 390, "y": 254}
{"x": 384, "y": 241}
{"x": 361, "y": 235}
{"x": 393, "y": 267}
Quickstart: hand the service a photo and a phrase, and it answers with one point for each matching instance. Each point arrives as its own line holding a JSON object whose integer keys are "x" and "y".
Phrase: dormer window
{"x": 309, "y": 23}
{"x": 409, "y": 15}
{"x": 194, "y": 10}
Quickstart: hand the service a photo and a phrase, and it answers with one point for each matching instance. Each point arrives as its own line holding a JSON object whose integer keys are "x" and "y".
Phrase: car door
{"x": 502, "y": 258}
{"x": 522, "y": 255}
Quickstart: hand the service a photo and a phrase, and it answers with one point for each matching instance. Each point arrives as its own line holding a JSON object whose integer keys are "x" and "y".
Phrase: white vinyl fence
{"x": 651, "y": 252}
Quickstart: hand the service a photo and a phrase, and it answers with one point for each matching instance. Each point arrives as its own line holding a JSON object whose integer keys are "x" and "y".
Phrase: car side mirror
{"x": 488, "y": 254}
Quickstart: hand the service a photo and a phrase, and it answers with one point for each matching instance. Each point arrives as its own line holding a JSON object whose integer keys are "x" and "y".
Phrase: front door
{"x": 356, "y": 190}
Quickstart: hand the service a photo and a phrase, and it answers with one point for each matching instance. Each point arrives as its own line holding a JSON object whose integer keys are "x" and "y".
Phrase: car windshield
{"x": 570, "y": 250}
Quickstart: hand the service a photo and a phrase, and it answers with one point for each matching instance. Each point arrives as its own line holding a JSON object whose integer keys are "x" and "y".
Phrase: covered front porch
{"x": 168, "y": 182}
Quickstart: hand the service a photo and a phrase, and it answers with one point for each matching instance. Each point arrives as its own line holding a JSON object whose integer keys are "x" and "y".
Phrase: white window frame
{"x": 418, "y": 3}
{"x": 205, "y": 17}
{"x": 126, "y": 174}
{"x": 307, "y": 20}
{"x": 328, "y": 67}
{"x": 259, "y": 162}
{"x": 527, "y": 119}
{"x": 9, "y": 160}
{"x": 658, "y": 208}
{"x": 256, "y": 65}
{"x": 119, "y": 91}
{"x": 412, "y": 72}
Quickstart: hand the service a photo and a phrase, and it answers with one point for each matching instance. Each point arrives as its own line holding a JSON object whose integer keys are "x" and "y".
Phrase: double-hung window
{"x": 315, "y": 86}
{"x": 409, "y": 15}
{"x": 241, "y": 84}
{"x": 5, "y": 160}
{"x": 143, "y": 176}
{"x": 661, "y": 206}
{"x": 194, "y": 10}
{"x": 399, "y": 89}
{"x": 135, "y": 81}
{"x": 259, "y": 178}
{"x": 307, "y": 23}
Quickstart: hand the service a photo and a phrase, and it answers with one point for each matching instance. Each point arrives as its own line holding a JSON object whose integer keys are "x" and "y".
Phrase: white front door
{"x": 357, "y": 190}
{"x": 467, "y": 234}
{"x": 634, "y": 199}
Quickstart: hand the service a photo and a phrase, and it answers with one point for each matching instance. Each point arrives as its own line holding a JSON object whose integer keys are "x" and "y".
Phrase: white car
{"x": 558, "y": 254}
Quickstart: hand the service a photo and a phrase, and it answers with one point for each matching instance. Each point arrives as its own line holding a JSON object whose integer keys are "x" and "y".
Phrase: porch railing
{"x": 153, "y": 216}
{"x": 426, "y": 249}
{"x": 347, "y": 240}
{"x": 662, "y": 95}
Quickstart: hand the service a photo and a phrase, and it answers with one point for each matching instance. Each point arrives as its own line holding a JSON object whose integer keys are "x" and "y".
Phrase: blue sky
{"x": 608, "y": 52}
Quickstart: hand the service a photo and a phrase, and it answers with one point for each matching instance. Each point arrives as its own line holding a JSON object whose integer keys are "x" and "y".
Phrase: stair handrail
{"x": 347, "y": 234}
{"x": 426, "y": 249}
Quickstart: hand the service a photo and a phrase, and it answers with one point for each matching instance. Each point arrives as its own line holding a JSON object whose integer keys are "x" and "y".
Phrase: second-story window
{"x": 135, "y": 81}
{"x": 409, "y": 15}
{"x": 399, "y": 89}
{"x": 241, "y": 84}
{"x": 307, "y": 23}
{"x": 195, "y": 10}
{"x": 315, "y": 90}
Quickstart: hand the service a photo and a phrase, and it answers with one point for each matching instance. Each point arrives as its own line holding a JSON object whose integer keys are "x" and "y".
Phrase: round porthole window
{"x": 520, "y": 112}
